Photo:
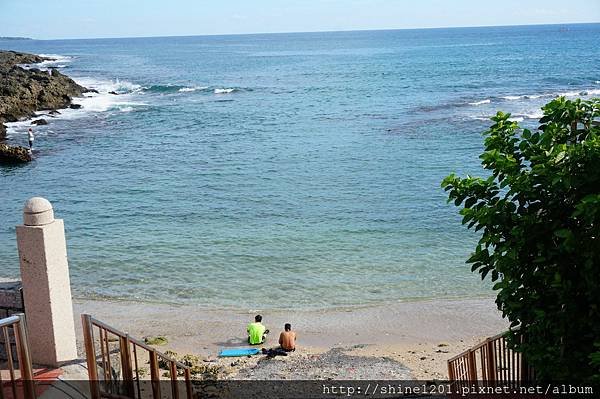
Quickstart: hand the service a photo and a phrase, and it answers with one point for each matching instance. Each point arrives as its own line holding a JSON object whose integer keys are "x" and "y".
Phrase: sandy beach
{"x": 398, "y": 341}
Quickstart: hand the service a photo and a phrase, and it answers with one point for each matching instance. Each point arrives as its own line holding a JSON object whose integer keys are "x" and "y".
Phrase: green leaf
{"x": 563, "y": 233}
{"x": 536, "y": 215}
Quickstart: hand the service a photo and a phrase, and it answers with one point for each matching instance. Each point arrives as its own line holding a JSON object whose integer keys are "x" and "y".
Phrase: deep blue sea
{"x": 282, "y": 170}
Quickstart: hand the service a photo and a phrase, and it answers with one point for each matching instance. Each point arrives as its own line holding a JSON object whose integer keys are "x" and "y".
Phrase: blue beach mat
{"x": 238, "y": 352}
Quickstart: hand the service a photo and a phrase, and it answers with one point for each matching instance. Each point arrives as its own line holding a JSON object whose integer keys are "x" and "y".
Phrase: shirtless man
{"x": 287, "y": 339}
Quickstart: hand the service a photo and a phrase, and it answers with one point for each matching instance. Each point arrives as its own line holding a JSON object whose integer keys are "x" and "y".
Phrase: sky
{"x": 66, "y": 19}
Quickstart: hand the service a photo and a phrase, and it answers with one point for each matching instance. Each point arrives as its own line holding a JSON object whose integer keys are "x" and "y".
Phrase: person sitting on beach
{"x": 287, "y": 338}
{"x": 257, "y": 331}
{"x": 31, "y": 138}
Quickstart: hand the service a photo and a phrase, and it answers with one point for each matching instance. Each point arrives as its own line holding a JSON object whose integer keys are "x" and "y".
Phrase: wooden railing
{"x": 488, "y": 363}
{"x": 115, "y": 365}
{"x": 19, "y": 383}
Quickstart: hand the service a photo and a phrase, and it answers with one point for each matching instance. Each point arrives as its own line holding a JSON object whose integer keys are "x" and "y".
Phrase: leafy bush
{"x": 539, "y": 217}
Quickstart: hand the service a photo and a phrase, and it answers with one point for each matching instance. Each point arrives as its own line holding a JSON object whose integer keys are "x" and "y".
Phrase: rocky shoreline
{"x": 23, "y": 91}
{"x": 14, "y": 153}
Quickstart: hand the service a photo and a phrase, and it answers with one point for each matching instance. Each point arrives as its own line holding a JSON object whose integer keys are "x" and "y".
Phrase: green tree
{"x": 539, "y": 217}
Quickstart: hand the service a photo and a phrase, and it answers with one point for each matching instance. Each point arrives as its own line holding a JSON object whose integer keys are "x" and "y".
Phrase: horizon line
{"x": 303, "y": 32}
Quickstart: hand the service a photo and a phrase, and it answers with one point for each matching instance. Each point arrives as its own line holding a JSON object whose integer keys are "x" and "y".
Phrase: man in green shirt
{"x": 256, "y": 331}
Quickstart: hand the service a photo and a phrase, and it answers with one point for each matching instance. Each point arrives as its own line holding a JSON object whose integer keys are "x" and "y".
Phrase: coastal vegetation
{"x": 539, "y": 217}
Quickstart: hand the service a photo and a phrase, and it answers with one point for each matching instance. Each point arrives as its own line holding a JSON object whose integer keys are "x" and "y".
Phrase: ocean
{"x": 281, "y": 171}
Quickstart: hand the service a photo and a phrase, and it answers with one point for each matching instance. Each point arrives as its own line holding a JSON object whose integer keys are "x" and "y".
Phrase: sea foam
{"x": 56, "y": 61}
{"x": 571, "y": 93}
{"x": 486, "y": 101}
{"x": 224, "y": 91}
{"x": 192, "y": 89}
{"x": 105, "y": 99}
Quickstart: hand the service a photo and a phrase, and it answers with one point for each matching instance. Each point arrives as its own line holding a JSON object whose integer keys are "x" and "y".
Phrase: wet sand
{"x": 401, "y": 340}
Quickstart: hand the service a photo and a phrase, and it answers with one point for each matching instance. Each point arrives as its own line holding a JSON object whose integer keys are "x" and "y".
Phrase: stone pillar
{"x": 46, "y": 284}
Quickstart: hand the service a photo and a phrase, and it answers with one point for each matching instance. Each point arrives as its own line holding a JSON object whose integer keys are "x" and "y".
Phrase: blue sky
{"x": 45, "y": 19}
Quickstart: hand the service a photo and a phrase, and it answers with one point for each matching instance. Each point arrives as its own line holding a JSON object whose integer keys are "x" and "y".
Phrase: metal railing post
{"x": 24, "y": 356}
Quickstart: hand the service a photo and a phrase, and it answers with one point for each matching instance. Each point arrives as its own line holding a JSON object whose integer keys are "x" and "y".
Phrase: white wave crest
{"x": 486, "y": 101}
{"x": 191, "y": 89}
{"x": 125, "y": 99}
{"x": 592, "y": 92}
{"x": 57, "y": 58}
{"x": 525, "y": 97}
{"x": 515, "y": 117}
{"x": 101, "y": 103}
{"x": 224, "y": 91}
{"x": 107, "y": 86}
{"x": 511, "y": 98}
{"x": 112, "y": 95}
{"x": 536, "y": 114}
{"x": 55, "y": 61}
{"x": 572, "y": 93}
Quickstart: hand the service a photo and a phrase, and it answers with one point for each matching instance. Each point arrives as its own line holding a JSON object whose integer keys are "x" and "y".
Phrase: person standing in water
{"x": 31, "y": 138}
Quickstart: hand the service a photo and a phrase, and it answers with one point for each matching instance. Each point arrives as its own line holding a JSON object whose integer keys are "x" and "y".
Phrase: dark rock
{"x": 2, "y": 129}
{"x": 25, "y": 91}
{"x": 92, "y": 91}
{"x": 10, "y": 154}
{"x": 53, "y": 112}
{"x": 13, "y": 58}
{"x": 75, "y": 106}
{"x": 113, "y": 92}
{"x": 39, "y": 122}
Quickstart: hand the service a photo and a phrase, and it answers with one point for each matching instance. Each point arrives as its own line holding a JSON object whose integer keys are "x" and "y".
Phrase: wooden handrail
{"x": 479, "y": 345}
{"x": 487, "y": 363}
{"x": 130, "y": 372}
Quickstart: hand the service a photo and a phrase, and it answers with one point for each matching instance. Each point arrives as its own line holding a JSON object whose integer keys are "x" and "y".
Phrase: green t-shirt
{"x": 256, "y": 332}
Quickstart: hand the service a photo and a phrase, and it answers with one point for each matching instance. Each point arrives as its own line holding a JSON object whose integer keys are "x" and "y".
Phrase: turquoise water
{"x": 268, "y": 171}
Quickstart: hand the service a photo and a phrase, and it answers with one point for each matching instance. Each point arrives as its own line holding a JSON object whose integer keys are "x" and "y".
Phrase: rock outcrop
{"x": 10, "y": 154}
{"x": 24, "y": 91}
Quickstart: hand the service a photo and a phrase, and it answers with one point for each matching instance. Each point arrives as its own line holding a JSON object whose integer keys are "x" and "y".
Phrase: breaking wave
{"x": 486, "y": 101}
{"x": 224, "y": 90}
{"x": 192, "y": 89}
{"x": 573, "y": 93}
